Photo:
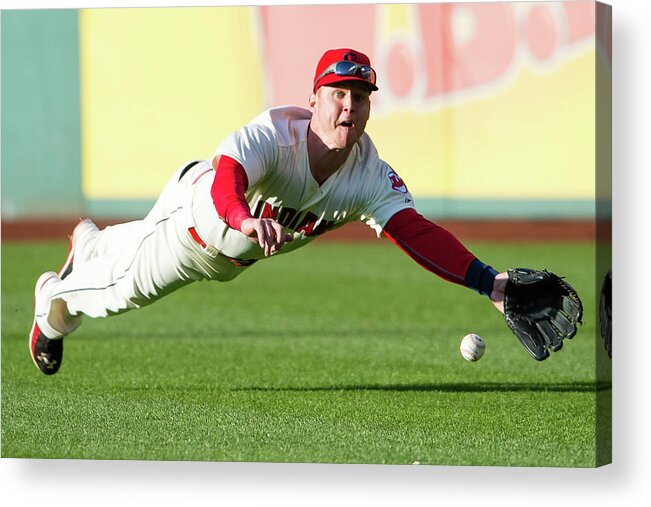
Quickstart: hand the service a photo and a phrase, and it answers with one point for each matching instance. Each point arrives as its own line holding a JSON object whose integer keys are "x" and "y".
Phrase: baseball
{"x": 472, "y": 347}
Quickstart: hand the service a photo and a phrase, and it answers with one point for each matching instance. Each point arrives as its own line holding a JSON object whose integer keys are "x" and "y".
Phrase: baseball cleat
{"x": 47, "y": 353}
{"x": 84, "y": 226}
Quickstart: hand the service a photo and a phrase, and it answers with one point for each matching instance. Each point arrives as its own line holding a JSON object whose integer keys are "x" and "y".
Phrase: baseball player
{"x": 273, "y": 186}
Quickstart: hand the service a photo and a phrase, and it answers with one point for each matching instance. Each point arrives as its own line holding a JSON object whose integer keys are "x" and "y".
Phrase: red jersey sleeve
{"x": 228, "y": 189}
{"x": 438, "y": 251}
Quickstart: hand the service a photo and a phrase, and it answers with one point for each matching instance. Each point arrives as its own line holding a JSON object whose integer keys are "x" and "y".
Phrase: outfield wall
{"x": 486, "y": 110}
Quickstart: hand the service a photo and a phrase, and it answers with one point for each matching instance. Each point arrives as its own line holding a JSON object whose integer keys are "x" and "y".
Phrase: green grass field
{"x": 338, "y": 353}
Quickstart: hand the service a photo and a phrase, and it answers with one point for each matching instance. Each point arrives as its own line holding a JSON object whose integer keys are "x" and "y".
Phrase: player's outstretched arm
{"x": 268, "y": 233}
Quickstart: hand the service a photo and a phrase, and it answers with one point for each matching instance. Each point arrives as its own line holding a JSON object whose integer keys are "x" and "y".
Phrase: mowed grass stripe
{"x": 336, "y": 353}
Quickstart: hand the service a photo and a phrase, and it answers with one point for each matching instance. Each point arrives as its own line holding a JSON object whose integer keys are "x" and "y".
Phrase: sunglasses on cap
{"x": 350, "y": 69}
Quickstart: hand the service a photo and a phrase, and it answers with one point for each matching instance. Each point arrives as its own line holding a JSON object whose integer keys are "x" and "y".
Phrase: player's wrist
{"x": 480, "y": 277}
{"x": 237, "y": 218}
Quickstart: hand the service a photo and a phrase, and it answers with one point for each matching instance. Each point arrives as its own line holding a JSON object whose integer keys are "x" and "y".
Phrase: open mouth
{"x": 346, "y": 124}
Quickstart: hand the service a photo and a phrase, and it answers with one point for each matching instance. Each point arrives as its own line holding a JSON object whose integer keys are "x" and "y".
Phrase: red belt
{"x": 240, "y": 263}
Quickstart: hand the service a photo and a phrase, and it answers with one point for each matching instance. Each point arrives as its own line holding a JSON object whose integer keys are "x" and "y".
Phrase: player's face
{"x": 340, "y": 113}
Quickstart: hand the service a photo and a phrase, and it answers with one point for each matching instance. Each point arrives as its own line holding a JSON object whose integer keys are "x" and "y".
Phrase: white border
{"x": 79, "y": 483}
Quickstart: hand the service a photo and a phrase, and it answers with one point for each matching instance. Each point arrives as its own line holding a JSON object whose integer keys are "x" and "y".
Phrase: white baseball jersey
{"x": 273, "y": 151}
{"x": 131, "y": 265}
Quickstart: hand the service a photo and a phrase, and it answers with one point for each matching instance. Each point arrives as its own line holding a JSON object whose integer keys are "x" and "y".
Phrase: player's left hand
{"x": 540, "y": 308}
{"x": 499, "y": 286}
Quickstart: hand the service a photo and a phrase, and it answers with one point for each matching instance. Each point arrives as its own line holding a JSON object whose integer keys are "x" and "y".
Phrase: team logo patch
{"x": 396, "y": 182}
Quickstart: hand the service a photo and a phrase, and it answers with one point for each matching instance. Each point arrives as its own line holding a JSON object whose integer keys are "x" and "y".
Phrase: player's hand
{"x": 267, "y": 233}
{"x": 499, "y": 285}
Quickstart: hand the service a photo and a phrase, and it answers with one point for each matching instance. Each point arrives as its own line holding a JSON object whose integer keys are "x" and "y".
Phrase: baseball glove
{"x": 606, "y": 312}
{"x": 541, "y": 309}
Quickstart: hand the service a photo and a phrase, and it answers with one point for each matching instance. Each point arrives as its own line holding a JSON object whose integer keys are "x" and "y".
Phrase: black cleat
{"x": 47, "y": 353}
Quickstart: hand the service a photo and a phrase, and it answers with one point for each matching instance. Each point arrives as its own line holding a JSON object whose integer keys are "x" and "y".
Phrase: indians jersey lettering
{"x": 272, "y": 149}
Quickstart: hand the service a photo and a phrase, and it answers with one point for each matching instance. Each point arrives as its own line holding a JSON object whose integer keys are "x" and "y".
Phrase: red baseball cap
{"x": 333, "y": 56}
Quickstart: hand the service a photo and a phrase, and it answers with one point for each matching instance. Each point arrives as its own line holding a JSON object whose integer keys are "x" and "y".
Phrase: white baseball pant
{"x": 133, "y": 264}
